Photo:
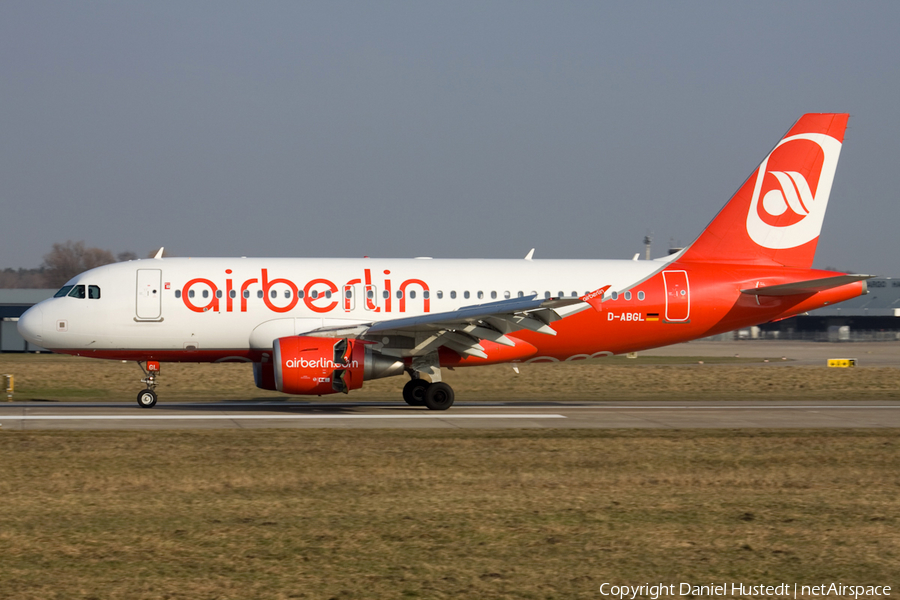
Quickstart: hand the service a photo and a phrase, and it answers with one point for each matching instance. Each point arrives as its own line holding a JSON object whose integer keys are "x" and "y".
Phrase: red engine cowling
{"x": 311, "y": 365}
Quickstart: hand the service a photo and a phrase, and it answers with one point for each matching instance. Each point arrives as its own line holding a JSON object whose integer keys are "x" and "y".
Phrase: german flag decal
{"x": 653, "y": 316}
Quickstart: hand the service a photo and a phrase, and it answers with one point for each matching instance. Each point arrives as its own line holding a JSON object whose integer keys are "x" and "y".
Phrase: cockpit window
{"x": 77, "y": 291}
{"x": 94, "y": 292}
{"x": 64, "y": 291}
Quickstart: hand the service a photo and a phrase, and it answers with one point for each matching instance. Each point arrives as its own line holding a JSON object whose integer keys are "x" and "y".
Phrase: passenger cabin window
{"x": 412, "y": 294}
{"x": 506, "y": 294}
{"x": 246, "y": 293}
{"x": 399, "y": 294}
{"x": 440, "y": 294}
{"x": 466, "y": 294}
{"x": 425, "y": 294}
{"x": 453, "y": 294}
{"x": 259, "y": 293}
{"x": 628, "y": 295}
{"x": 190, "y": 293}
{"x": 178, "y": 293}
{"x": 232, "y": 294}
{"x": 614, "y": 296}
{"x": 63, "y": 291}
{"x": 273, "y": 294}
{"x": 641, "y": 295}
{"x": 218, "y": 293}
{"x": 480, "y": 294}
{"x": 94, "y": 292}
{"x": 547, "y": 295}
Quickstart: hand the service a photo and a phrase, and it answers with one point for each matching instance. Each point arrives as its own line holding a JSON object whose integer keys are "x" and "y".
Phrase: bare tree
{"x": 68, "y": 260}
{"x": 61, "y": 264}
{"x": 22, "y": 278}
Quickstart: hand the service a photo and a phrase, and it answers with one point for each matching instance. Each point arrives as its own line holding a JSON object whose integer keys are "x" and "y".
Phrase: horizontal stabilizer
{"x": 810, "y": 286}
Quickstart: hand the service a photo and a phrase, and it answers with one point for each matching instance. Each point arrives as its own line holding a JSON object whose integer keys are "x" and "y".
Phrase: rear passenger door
{"x": 678, "y": 296}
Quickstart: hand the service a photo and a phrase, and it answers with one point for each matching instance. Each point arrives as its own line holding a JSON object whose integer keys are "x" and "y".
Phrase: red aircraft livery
{"x": 321, "y": 326}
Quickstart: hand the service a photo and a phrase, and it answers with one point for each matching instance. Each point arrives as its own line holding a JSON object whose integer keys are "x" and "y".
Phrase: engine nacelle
{"x": 311, "y": 365}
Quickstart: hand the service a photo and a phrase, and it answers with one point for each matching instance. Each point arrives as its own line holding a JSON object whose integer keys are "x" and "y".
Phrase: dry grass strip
{"x": 60, "y": 378}
{"x": 440, "y": 514}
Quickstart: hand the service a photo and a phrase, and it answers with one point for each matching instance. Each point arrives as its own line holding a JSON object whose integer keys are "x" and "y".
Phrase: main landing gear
{"x": 436, "y": 396}
{"x": 147, "y": 398}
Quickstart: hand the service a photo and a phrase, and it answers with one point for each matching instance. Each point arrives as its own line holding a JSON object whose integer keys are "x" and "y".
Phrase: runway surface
{"x": 499, "y": 415}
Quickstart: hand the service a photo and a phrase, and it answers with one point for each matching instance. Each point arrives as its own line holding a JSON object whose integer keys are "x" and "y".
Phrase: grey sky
{"x": 438, "y": 129}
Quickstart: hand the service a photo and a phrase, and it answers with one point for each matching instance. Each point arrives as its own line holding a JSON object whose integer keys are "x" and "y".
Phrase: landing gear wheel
{"x": 439, "y": 396}
{"x": 414, "y": 392}
{"x": 146, "y": 399}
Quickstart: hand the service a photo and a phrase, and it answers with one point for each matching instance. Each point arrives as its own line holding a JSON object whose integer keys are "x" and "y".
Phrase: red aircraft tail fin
{"x": 776, "y": 216}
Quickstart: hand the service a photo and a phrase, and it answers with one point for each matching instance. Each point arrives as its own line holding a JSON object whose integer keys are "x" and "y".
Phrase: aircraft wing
{"x": 462, "y": 329}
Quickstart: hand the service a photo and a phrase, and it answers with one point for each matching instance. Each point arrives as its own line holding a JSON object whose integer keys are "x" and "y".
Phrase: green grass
{"x": 440, "y": 514}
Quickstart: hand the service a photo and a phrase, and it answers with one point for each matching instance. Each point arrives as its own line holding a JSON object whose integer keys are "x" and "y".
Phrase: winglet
{"x": 159, "y": 253}
{"x": 530, "y": 254}
{"x": 595, "y": 298}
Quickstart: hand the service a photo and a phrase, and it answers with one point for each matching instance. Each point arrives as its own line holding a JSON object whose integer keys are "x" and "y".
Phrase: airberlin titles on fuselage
{"x": 319, "y": 295}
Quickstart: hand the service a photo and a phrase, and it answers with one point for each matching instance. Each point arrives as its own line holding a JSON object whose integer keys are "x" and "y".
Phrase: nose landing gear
{"x": 147, "y": 398}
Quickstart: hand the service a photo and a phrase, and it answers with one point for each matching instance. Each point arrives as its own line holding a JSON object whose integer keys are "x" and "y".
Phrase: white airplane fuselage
{"x": 201, "y": 309}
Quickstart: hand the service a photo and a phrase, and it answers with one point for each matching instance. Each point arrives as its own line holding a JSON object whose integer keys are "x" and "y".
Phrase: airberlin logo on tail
{"x": 794, "y": 182}
{"x": 794, "y": 194}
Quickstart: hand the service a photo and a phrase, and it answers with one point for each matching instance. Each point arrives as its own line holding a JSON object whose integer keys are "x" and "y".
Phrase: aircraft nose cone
{"x": 31, "y": 325}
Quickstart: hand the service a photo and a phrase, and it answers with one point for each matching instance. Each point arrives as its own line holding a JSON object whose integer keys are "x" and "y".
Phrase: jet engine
{"x": 310, "y": 365}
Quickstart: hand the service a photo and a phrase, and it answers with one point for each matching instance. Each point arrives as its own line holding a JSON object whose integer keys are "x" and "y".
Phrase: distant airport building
{"x": 12, "y": 304}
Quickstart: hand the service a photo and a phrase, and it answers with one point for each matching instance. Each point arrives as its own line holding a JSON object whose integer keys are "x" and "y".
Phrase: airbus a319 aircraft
{"x": 321, "y": 326}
